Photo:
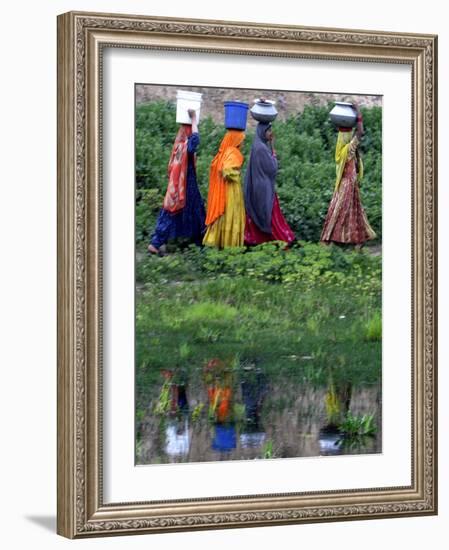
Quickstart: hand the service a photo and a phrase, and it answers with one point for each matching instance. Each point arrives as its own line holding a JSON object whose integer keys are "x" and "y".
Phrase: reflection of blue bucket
{"x": 225, "y": 438}
{"x": 236, "y": 114}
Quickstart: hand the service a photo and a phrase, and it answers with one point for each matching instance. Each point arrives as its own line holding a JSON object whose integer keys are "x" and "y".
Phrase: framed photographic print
{"x": 246, "y": 274}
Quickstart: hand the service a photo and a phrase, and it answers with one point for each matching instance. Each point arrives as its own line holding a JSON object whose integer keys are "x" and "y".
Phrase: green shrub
{"x": 357, "y": 426}
{"x": 304, "y": 266}
{"x": 374, "y": 328}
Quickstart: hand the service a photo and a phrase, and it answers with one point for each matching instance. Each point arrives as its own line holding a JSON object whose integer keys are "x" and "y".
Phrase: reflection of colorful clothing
{"x": 187, "y": 214}
{"x": 346, "y": 220}
{"x": 225, "y": 218}
{"x": 220, "y": 402}
{"x": 264, "y": 218}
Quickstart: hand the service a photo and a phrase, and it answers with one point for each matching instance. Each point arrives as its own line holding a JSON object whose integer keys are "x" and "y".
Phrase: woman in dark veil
{"x": 264, "y": 219}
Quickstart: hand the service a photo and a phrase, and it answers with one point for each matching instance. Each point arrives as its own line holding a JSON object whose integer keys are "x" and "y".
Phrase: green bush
{"x": 305, "y": 146}
{"x": 304, "y": 266}
{"x": 353, "y": 426}
{"x": 374, "y": 328}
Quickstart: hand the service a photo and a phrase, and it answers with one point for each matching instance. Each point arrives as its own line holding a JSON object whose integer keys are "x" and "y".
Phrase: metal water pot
{"x": 343, "y": 114}
{"x": 264, "y": 110}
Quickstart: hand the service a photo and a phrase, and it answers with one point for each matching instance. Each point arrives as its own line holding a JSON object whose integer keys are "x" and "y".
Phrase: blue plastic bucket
{"x": 236, "y": 114}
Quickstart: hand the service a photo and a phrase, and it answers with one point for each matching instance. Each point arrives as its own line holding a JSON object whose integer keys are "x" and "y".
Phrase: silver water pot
{"x": 264, "y": 110}
{"x": 343, "y": 114}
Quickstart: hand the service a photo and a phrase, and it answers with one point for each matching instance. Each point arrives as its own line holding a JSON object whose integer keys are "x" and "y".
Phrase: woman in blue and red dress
{"x": 183, "y": 213}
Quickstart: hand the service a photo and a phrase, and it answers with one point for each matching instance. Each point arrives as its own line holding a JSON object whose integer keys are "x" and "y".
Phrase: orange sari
{"x": 228, "y": 156}
{"x": 225, "y": 205}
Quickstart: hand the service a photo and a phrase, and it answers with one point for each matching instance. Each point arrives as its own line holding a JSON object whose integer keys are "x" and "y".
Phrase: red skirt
{"x": 280, "y": 230}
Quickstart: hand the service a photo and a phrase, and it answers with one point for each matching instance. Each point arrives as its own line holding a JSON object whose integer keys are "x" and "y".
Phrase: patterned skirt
{"x": 346, "y": 220}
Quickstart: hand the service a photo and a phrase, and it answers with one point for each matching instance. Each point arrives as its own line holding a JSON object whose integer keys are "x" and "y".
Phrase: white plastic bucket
{"x": 185, "y": 101}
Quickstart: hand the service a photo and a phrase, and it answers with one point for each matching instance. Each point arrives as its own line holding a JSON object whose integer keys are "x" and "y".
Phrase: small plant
{"x": 373, "y": 328}
{"x": 267, "y": 450}
{"x": 139, "y": 446}
{"x": 209, "y": 312}
{"x": 206, "y": 334}
{"x": 357, "y": 426}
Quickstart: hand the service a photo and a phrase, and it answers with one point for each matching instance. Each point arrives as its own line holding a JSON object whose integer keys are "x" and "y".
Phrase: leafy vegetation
{"x": 358, "y": 426}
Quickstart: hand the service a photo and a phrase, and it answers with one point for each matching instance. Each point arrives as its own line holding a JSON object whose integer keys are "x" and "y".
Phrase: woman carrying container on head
{"x": 182, "y": 214}
{"x": 225, "y": 219}
{"x": 264, "y": 219}
{"x": 346, "y": 220}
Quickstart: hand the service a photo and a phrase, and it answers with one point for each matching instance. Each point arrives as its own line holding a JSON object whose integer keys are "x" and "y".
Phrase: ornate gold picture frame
{"x": 82, "y": 41}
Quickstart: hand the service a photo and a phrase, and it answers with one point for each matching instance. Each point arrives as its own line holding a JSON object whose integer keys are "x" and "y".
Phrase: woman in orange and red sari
{"x": 225, "y": 219}
{"x": 182, "y": 214}
{"x": 346, "y": 220}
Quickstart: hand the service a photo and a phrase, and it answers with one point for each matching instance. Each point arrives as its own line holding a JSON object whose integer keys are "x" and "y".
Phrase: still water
{"x": 256, "y": 420}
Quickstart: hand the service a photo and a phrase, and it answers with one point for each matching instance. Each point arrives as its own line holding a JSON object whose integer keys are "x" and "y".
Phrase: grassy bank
{"x": 306, "y": 315}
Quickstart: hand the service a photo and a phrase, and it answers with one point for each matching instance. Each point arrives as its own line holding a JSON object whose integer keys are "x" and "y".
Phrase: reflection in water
{"x": 182, "y": 402}
{"x": 254, "y": 389}
{"x": 252, "y": 440}
{"x": 177, "y": 440}
{"x": 330, "y": 442}
{"x": 238, "y": 415}
{"x": 225, "y": 438}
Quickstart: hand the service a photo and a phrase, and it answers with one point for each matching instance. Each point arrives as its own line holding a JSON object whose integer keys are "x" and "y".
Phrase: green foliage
{"x": 357, "y": 426}
{"x": 268, "y": 450}
{"x": 305, "y": 146}
{"x": 374, "y": 327}
{"x": 163, "y": 403}
{"x": 155, "y": 131}
{"x": 209, "y": 312}
{"x": 303, "y": 266}
{"x": 148, "y": 203}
